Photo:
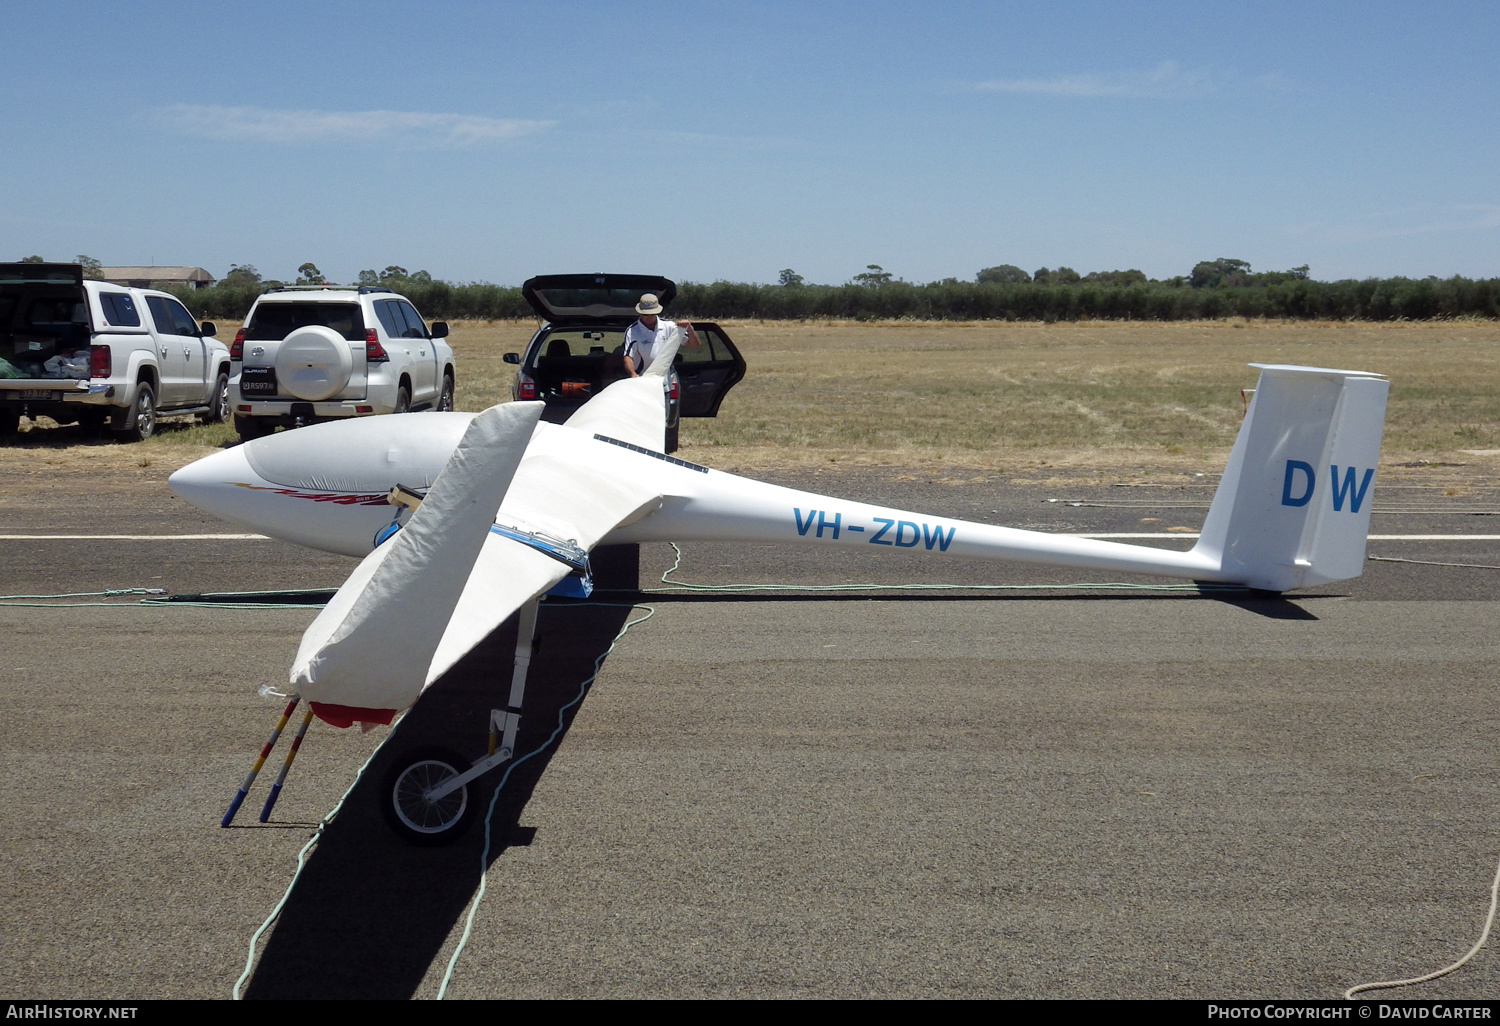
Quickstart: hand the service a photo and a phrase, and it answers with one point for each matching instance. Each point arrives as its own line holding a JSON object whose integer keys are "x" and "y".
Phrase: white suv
{"x": 310, "y": 353}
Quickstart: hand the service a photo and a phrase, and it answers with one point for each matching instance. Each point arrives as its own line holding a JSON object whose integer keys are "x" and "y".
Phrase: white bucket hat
{"x": 648, "y": 305}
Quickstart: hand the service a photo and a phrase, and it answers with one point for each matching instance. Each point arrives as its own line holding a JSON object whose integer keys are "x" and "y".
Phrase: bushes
{"x": 1373, "y": 299}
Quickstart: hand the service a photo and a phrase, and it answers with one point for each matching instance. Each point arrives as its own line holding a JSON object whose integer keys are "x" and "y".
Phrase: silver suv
{"x": 322, "y": 352}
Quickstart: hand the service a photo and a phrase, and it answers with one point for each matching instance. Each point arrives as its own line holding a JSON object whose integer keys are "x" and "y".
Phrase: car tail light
{"x": 674, "y": 390}
{"x": 101, "y": 362}
{"x": 374, "y": 351}
{"x": 237, "y": 348}
{"x": 525, "y": 388}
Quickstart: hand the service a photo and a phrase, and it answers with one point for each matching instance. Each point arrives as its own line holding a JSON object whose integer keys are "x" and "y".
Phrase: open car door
{"x": 708, "y": 372}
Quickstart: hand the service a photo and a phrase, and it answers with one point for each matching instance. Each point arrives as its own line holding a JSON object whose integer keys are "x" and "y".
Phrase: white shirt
{"x": 643, "y": 344}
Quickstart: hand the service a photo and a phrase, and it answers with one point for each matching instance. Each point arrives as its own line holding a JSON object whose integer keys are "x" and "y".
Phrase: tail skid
{"x": 1292, "y": 510}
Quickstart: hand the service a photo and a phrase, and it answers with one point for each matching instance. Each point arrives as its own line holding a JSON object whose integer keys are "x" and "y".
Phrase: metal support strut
{"x": 504, "y": 723}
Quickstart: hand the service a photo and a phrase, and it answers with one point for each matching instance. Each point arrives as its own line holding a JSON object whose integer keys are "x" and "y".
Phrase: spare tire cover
{"x": 313, "y": 363}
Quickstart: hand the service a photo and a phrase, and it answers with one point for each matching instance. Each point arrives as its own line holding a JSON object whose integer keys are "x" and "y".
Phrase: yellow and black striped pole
{"x": 265, "y": 813}
{"x": 234, "y": 806}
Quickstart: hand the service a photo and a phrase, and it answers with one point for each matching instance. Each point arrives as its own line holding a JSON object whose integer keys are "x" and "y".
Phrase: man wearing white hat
{"x": 644, "y": 338}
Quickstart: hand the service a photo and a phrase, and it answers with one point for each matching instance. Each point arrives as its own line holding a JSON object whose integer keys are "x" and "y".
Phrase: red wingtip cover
{"x": 348, "y": 715}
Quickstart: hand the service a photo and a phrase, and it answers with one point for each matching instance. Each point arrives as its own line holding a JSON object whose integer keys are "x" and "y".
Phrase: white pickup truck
{"x": 91, "y": 352}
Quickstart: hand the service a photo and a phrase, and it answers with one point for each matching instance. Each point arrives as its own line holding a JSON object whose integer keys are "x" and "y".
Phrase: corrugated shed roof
{"x": 124, "y": 274}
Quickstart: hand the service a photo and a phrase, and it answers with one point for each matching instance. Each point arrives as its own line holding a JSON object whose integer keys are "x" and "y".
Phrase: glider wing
{"x": 512, "y": 513}
{"x": 633, "y": 410}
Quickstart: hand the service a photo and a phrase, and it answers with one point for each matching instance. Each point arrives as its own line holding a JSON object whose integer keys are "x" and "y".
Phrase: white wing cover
{"x": 418, "y": 603}
{"x": 371, "y": 645}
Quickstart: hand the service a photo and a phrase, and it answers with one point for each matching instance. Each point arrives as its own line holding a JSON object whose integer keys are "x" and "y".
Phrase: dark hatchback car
{"x": 580, "y": 347}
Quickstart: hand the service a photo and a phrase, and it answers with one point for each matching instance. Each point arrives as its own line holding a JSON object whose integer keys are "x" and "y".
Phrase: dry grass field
{"x": 1026, "y": 400}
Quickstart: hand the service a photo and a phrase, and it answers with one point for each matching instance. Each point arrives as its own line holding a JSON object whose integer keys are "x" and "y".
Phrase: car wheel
{"x": 445, "y": 397}
{"x": 141, "y": 419}
{"x": 671, "y": 445}
{"x": 403, "y": 399}
{"x": 412, "y": 816}
{"x": 10, "y": 422}
{"x": 251, "y": 428}
{"x": 219, "y": 409}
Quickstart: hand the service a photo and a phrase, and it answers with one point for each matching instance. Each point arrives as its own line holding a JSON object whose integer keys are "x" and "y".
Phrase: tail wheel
{"x": 408, "y": 811}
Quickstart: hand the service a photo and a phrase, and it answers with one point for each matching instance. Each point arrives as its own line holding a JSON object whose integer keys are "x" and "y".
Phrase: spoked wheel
{"x": 414, "y": 817}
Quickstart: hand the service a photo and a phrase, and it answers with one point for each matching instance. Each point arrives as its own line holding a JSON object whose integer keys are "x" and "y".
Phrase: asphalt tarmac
{"x": 1026, "y": 793}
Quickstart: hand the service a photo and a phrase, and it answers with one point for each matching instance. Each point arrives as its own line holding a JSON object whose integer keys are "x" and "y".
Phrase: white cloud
{"x": 1168, "y": 80}
{"x": 257, "y": 124}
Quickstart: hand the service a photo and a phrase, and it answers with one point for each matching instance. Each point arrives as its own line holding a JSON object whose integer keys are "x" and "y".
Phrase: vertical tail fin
{"x": 1293, "y": 508}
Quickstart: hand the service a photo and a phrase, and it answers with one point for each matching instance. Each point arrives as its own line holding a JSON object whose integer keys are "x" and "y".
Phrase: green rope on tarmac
{"x": 301, "y": 864}
{"x": 91, "y": 594}
{"x": 484, "y": 858}
{"x": 54, "y": 600}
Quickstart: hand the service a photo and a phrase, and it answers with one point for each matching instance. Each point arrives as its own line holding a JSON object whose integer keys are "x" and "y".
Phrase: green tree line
{"x": 1214, "y": 289}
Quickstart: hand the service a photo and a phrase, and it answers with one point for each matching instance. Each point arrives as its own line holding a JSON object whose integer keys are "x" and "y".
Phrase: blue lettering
{"x": 801, "y": 527}
{"x": 888, "y": 525}
{"x": 1347, "y": 489}
{"x": 916, "y": 534}
{"x": 935, "y": 536}
{"x": 823, "y": 522}
{"x": 854, "y": 527}
{"x": 1292, "y": 466}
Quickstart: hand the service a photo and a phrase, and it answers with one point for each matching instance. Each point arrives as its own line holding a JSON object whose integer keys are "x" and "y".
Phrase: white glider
{"x": 513, "y": 506}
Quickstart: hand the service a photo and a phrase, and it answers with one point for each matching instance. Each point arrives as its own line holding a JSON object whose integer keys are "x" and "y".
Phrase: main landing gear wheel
{"x": 411, "y": 815}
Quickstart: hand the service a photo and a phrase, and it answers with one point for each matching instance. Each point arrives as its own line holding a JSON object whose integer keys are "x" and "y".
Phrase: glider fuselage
{"x": 279, "y": 496}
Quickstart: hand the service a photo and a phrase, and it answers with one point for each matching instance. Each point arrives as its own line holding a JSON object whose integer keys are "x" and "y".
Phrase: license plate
{"x": 39, "y": 393}
{"x": 258, "y": 381}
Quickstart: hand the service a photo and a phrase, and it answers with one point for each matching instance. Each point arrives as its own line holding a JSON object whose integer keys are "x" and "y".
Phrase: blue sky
{"x": 493, "y": 141}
